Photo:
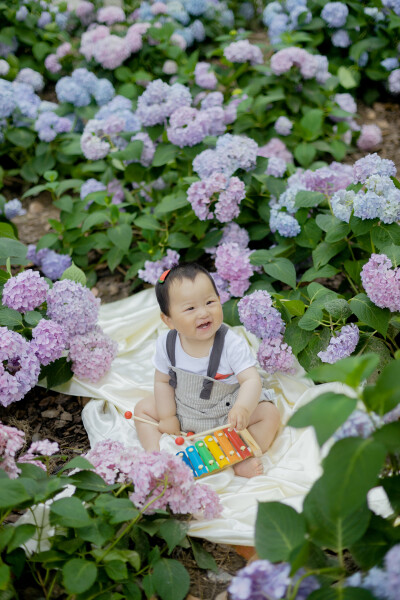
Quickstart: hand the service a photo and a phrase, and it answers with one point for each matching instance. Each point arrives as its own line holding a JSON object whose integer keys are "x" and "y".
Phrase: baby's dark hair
{"x": 185, "y": 271}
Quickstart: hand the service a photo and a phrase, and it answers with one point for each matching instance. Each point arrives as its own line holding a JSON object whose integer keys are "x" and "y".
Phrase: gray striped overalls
{"x": 202, "y": 402}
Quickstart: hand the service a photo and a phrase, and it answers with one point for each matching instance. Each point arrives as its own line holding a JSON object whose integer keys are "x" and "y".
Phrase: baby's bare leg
{"x": 148, "y": 435}
{"x": 263, "y": 426}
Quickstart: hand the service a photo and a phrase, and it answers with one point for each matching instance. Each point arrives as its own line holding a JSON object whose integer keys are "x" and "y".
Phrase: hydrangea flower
{"x": 112, "y": 54}
{"x": 283, "y": 60}
{"x": 381, "y": 282}
{"x": 159, "y": 100}
{"x": 283, "y": 126}
{"x": 204, "y": 77}
{"x": 275, "y": 149}
{"x": 49, "y": 341}
{"x": 48, "y": 124}
{"x": 342, "y": 204}
{"x": 335, "y": 14}
{"x": 284, "y": 223}
{"x": 73, "y": 306}
{"x": 11, "y": 441}
{"x": 4, "y": 67}
{"x": 233, "y": 265}
{"x": 259, "y": 316}
{"x": 232, "y": 232}
{"x": 372, "y": 164}
{"x": 222, "y": 287}
{"x": 92, "y": 354}
{"x": 276, "y": 167}
{"x": 394, "y": 81}
{"x": 260, "y": 580}
{"x": 91, "y": 38}
{"x": 390, "y": 63}
{"x": 359, "y": 424}
{"x": 19, "y": 367}
{"x": 54, "y": 264}
{"x": 110, "y": 15}
{"x": 275, "y": 355}
{"x": 341, "y": 39}
{"x": 152, "y": 473}
{"x": 13, "y": 208}
{"x": 93, "y": 144}
{"x": 341, "y": 345}
{"x": 149, "y": 148}
{"x": 30, "y": 77}
{"x": 26, "y": 291}
{"x": 90, "y": 186}
{"x": 186, "y": 127}
{"x": 228, "y": 192}
{"x": 153, "y": 269}
{"x": 370, "y": 137}
{"x": 242, "y": 51}
{"x": 327, "y": 180}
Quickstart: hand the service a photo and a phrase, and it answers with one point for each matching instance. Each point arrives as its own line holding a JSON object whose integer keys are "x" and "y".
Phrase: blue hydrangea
{"x": 7, "y": 100}
{"x": 187, "y": 35}
{"x": 85, "y": 79}
{"x": 196, "y": 7}
{"x": 341, "y": 39}
{"x": 121, "y": 107}
{"x": 227, "y": 18}
{"x": 21, "y": 13}
{"x": 367, "y": 206}
{"x": 284, "y": 223}
{"x": 68, "y": 90}
{"x": 13, "y": 208}
{"x": 27, "y": 101}
{"x": 342, "y": 204}
{"x": 335, "y": 14}
{"x": 104, "y": 91}
{"x": 246, "y": 11}
{"x": 54, "y": 264}
{"x": 300, "y": 14}
{"x": 62, "y": 20}
{"x": 363, "y": 60}
{"x": 390, "y": 63}
{"x": 44, "y": 19}
{"x": 278, "y": 26}
{"x": 198, "y": 31}
{"x": 270, "y": 12}
{"x": 144, "y": 12}
{"x": 177, "y": 11}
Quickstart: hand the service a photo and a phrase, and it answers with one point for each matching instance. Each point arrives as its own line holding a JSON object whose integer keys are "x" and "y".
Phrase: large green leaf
{"x": 12, "y": 493}
{"x": 308, "y": 199}
{"x": 324, "y": 252}
{"x": 10, "y": 317}
{"x": 171, "y": 202}
{"x": 164, "y": 154}
{"x": 173, "y": 532}
{"x": 79, "y": 575}
{"x": 69, "y": 512}
{"x": 296, "y": 337}
{"x": 370, "y": 314}
{"x": 385, "y": 395}
{"x": 121, "y": 236}
{"x": 56, "y": 373}
{"x": 312, "y": 318}
{"x": 281, "y": 269}
{"x": 325, "y": 413}
{"x": 279, "y": 530}
{"x": 352, "y": 370}
{"x": 170, "y": 579}
{"x": 21, "y": 137}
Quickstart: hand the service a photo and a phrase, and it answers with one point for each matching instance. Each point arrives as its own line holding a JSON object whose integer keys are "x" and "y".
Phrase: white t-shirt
{"x": 236, "y": 357}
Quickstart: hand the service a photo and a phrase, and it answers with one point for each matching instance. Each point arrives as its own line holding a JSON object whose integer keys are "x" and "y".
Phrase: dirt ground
{"x": 57, "y": 417}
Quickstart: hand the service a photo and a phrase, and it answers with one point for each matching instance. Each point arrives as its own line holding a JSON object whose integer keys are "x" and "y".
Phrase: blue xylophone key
{"x": 186, "y": 461}
{"x": 197, "y": 464}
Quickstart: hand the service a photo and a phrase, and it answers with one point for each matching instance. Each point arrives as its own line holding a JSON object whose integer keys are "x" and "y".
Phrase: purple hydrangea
{"x": 240, "y": 150}
{"x": 160, "y": 100}
{"x": 227, "y": 192}
{"x": 341, "y": 39}
{"x": 48, "y": 124}
{"x": 153, "y": 269}
{"x": 359, "y": 424}
{"x": 73, "y": 306}
{"x": 370, "y": 137}
{"x": 110, "y": 15}
{"x": 326, "y": 180}
{"x": 372, "y": 164}
{"x": 49, "y": 341}
{"x": 13, "y": 208}
{"x": 19, "y": 367}
{"x": 335, "y": 14}
{"x": 91, "y": 185}
{"x": 44, "y": 19}
{"x": 52, "y": 64}
{"x": 375, "y": 580}
{"x": 242, "y": 51}
{"x": 204, "y": 76}
{"x": 276, "y": 167}
{"x": 275, "y": 149}
{"x": 186, "y": 127}
{"x": 222, "y": 287}
{"x": 148, "y": 150}
{"x": 112, "y": 54}
{"x": 92, "y": 354}
{"x": 11, "y": 441}
{"x": 275, "y": 355}
{"x": 259, "y": 316}
{"x": 152, "y": 473}
{"x": 381, "y": 282}
{"x": 91, "y": 38}
{"x": 54, "y": 264}
{"x": 26, "y": 291}
{"x": 341, "y": 345}
{"x": 170, "y": 67}
{"x": 21, "y": 13}
{"x": 392, "y": 566}
{"x": 233, "y": 265}
{"x": 284, "y": 223}
{"x": 232, "y": 232}
{"x": 283, "y": 126}
{"x": 283, "y": 60}
{"x": 260, "y": 580}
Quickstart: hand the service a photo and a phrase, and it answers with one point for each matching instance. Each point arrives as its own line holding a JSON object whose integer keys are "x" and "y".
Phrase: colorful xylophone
{"x": 216, "y": 452}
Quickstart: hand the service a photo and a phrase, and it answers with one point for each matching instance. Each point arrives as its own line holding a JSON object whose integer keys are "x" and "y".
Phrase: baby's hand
{"x": 239, "y": 417}
{"x": 170, "y": 425}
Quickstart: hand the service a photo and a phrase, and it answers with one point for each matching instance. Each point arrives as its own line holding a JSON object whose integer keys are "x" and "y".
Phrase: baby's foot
{"x": 251, "y": 467}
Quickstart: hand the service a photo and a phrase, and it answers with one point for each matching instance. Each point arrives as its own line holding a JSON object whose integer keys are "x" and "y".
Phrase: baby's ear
{"x": 167, "y": 320}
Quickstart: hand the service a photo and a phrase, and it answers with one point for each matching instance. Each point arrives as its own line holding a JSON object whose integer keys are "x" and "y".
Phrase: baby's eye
{"x": 190, "y": 308}
{"x": 210, "y": 301}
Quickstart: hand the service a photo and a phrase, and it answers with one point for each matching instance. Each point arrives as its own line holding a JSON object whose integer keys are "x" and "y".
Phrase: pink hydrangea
{"x": 36, "y": 449}
{"x": 381, "y": 282}
{"x": 11, "y": 441}
{"x": 49, "y": 341}
{"x": 63, "y": 50}
{"x": 26, "y": 291}
{"x": 242, "y": 51}
{"x": 159, "y": 8}
{"x": 233, "y": 264}
{"x": 370, "y": 137}
{"x": 19, "y": 367}
{"x": 204, "y": 76}
{"x": 110, "y": 15}
{"x": 91, "y": 38}
{"x": 283, "y": 60}
{"x": 84, "y": 9}
{"x": 275, "y": 149}
{"x": 51, "y": 63}
{"x": 275, "y": 355}
{"x": 227, "y": 192}
{"x": 112, "y": 54}
{"x": 92, "y": 354}
{"x": 133, "y": 39}
{"x": 151, "y": 474}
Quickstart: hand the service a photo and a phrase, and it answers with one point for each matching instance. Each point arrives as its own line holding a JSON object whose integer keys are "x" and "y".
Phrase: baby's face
{"x": 195, "y": 309}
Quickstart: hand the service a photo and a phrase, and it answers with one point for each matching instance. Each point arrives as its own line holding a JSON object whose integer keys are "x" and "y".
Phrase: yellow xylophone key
{"x": 227, "y": 447}
{"x": 216, "y": 451}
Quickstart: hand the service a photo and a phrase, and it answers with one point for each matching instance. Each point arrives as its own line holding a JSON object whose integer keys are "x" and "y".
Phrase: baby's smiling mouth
{"x": 204, "y": 325}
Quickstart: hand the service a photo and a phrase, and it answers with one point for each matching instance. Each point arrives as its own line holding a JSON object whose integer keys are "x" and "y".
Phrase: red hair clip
{"x": 162, "y": 277}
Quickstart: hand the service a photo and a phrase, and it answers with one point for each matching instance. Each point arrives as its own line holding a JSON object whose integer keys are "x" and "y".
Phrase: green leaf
{"x": 296, "y": 337}
{"x": 95, "y": 218}
{"x": 79, "y": 575}
{"x": 179, "y": 240}
{"x": 389, "y": 436}
{"x": 173, "y": 532}
{"x": 12, "y": 493}
{"x": 10, "y": 317}
{"x": 337, "y": 232}
{"x": 308, "y": 199}
{"x": 311, "y": 124}
{"x": 338, "y": 308}
{"x": 325, "y": 413}
{"x": 41, "y": 50}
{"x": 347, "y": 593}
{"x": 305, "y": 154}
{"x": 74, "y": 273}
{"x": 385, "y": 394}
{"x": 370, "y": 314}
{"x": 57, "y": 373}
{"x": 69, "y": 512}
{"x": 324, "y": 272}
{"x": 311, "y": 319}
{"x": 393, "y": 253}
{"x": 117, "y": 510}
{"x": 78, "y": 462}
{"x": 12, "y": 249}
{"x": 351, "y": 370}
{"x": 7, "y": 231}
{"x": 133, "y": 151}
{"x": 32, "y": 317}
{"x": 279, "y": 530}
{"x": 324, "y": 252}
{"x": 231, "y": 314}
{"x": 164, "y": 154}
{"x": 88, "y": 480}
{"x": 391, "y": 486}
{"x": 5, "y": 577}
{"x": 295, "y": 307}
{"x": 384, "y": 235}
{"x": 22, "y": 533}
{"x": 47, "y": 241}
{"x": 121, "y": 236}
{"x": 170, "y": 579}
{"x": 147, "y": 222}
{"x": 21, "y": 137}
{"x": 116, "y": 570}
{"x": 281, "y": 269}
{"x": 204, "y": 559}
{"x": 346, "y": 78}
{"x": 171, "y": 202}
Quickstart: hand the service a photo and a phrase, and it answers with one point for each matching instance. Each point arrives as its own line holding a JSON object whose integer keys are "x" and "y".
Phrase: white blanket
{"x": 291, "y": 465}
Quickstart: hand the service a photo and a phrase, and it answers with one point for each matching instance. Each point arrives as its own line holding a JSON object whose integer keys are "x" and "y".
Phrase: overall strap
{"x": 213, "y": 364}
{"x": 171, "y": 341}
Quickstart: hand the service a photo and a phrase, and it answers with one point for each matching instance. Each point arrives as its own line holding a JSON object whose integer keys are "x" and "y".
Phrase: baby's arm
{"x": 248, "y": 398}
{"x": 164, "y": 396}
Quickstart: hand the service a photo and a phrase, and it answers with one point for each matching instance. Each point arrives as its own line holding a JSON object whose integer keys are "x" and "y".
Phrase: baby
{"x": 205, "y": 374}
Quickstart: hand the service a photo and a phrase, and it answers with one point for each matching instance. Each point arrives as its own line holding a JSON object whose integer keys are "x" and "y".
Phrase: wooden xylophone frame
{"x": 225, "y": 448}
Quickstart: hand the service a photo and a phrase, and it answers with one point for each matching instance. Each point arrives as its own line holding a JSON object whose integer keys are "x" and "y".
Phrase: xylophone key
{"x": 227, "y": 447}
{"x": 216, "y": 451}
{"x": 186, "y": 461}
{"x": 206, "y": 456}
{"x": 197, "y": 464}
{"x": 238, "y": 443}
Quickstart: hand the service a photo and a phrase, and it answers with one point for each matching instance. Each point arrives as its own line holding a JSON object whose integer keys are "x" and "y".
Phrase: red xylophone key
{"x": 238, "y": 443}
